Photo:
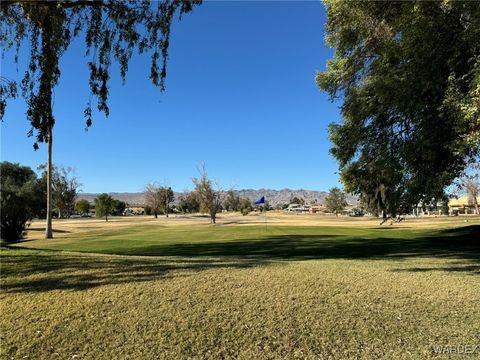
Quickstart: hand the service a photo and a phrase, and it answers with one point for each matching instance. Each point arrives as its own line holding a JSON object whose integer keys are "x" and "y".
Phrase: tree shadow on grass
{"x": 36, "y": 271}
{"x": 463, "y": 243}
{"x": 39, "y": 270}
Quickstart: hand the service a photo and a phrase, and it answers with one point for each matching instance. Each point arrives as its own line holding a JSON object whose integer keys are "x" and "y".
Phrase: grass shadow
{"x": 39, "y": 270}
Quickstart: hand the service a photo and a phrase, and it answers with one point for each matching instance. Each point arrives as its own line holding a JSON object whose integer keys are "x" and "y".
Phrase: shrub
{"x": 245, "y": 206}
{"x": 21, "y": 200}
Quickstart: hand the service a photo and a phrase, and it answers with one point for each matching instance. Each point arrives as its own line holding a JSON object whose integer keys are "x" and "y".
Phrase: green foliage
{"x": 232, "y": 201}
{"x": 335, "y": 201}
{"x": 245, "y": 206}
{"x": 265, "y": 207}
{"x": 166, "y": 197}
{"x": 408, "y": 74}
{"x": 82, "y": 206}
{"x": 104, "y": 205}
{"x": 210, "y": 198}
{"x": 112, "y": 30}
{"x": 296, "y": 200}
{"x": 148, "y": 210}
{"x": 21, "y": 199}
{"x": 65, "y": 186}
{"x": 159, "y": 198}
{"x": 118, "y": 207}
{"x": 188, "y": 203}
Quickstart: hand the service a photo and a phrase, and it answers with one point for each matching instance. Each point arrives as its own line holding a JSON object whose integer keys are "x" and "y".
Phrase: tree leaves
{"x": 113, "y": 30}
{"x": 407, "y": 75}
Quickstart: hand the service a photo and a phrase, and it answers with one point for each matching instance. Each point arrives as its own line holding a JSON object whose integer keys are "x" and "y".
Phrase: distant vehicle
{"x": 75, "y": 216}
{"x": 86, "y": 215}
{"x": 295, "y": 208}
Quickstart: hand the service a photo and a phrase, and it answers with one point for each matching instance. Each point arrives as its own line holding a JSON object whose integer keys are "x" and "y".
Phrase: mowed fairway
{"x": 305, "y": 287}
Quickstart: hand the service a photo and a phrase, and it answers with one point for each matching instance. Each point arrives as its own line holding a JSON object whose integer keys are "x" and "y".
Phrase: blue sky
{"x": 240, "y": 96}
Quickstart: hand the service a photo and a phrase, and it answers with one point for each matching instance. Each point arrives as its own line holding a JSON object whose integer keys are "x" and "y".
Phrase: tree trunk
{"x": 166, "y": 209}
{"x": 48, "y": 230}
{"x": 155, "y": 214}
{"x": 106, "y": 217}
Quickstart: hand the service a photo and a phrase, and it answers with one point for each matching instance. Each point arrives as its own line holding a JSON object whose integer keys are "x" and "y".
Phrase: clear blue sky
{"x": 240, "y": 96}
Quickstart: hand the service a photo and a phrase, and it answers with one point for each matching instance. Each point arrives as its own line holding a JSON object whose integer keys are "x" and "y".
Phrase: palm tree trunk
{"x": 48, "y": 230}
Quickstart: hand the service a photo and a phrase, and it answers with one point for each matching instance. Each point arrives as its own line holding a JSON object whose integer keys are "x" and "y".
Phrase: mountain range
{"x": 274, "y": 197}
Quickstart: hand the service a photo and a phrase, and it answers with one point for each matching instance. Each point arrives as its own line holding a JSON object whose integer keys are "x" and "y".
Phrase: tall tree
{"x": 119, "y": 207}
{"x": 335, "y": 201}
{"x": 209, "y": 196}
{"x": 113, "y": 31}
{"x": 153, "y": 199}
{"x": 232, "y": 201}
{"x": 408, "y": 76}
{"x": 470, "y": 183}
{"x": 104, "y": 205}
{"x": 166, "y": 197}
{"x": 472, "y": 186}
{"x": 65, "y": 186}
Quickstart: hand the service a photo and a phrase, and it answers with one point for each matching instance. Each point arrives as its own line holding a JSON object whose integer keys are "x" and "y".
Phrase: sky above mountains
{"x": 241, "y": 97}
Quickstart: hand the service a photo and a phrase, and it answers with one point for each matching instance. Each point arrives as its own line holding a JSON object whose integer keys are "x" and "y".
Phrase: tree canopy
{"x": 158, "y": 198}
{"x": 209, "y": 196}
{"x": 82, "y": 206}
{"x": 408, "y": 78}
{"x": 112, "y": 31}
{"x": 104, "y": 205}
{"x": 335, "y": 201}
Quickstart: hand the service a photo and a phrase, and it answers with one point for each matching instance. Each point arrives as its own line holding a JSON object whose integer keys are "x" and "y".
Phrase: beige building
{"x": 462, "y": 205}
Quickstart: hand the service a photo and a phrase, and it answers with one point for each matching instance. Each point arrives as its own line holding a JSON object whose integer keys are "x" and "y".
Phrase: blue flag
{"x": 260, "y": 200}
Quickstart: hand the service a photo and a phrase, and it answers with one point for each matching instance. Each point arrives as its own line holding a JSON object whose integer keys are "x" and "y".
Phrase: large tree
{"x": 407, "y": 74}
{"x": 469, "y": 183}
{"x": 104, "y": 205}
{"x": 166, "y": 198}
{"x": 65, "y": 186}
{"x": 154, "y": 198}
{"x": 113, "y": 31}
{"x": 335, "y": 201}
{"x": 209, "y": 196}
{"x": 232, "y": 201}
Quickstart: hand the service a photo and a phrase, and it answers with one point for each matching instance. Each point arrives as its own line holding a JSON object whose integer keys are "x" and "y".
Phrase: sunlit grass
{"x": 234, "y": 291}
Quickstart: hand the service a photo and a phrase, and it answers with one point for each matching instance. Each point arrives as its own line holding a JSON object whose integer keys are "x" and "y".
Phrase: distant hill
{"x": 274, "y": 197}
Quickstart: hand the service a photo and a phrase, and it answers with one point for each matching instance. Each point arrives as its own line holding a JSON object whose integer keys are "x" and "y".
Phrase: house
{"x": 462, "y": 205}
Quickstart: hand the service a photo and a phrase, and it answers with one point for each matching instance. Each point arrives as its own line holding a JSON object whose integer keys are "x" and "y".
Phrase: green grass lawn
{"x": 242, "y": 292}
